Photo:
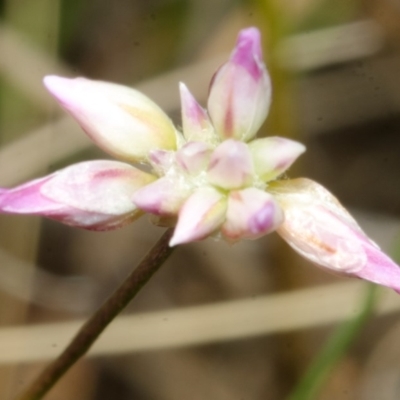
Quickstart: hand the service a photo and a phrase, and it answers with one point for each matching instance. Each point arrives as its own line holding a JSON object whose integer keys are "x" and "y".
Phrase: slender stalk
{"x": 92, "y": 329}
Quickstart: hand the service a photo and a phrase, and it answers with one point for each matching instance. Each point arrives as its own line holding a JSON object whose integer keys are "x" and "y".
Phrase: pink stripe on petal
{"x": 161, "y": 160}
{"x": 121, "y": 120}
{"x": 240, "y": 91}
{"x": 230, "y": 166}
{"x": 380, "y": 269}
{"x": 27, "y": 199}
{"x": 163, "y": 197}
{"x": 92, "y": 195}
{"x": 202, "y": 214}
{"x": 274, "y": 155}
{"x": 248, "y": 52}
{"x": 251, "y": 214}
{"x": 193, "y": 157}
{"x": 195, "y": 121}
{"x": 101, "y": 186}
{"x": 321, "y": 230}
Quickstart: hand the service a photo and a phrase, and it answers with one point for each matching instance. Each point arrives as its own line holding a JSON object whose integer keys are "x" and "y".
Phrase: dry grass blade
{"x": 238, "y": 319}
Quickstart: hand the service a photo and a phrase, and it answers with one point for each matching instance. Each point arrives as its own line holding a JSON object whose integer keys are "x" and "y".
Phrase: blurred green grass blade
{"x": 334, "y": 349}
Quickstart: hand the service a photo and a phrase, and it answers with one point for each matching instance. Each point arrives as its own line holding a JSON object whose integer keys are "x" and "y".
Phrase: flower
{"x": 211, "y": 178}
{"x": 320, "y": 229}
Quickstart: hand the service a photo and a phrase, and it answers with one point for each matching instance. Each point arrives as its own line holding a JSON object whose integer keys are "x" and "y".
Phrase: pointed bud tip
{"x": 250, "y": 38}
{"x": 189, "y": 103}
{"x": 175, "y": 241}
{"x": 180, "y": 237}
{"x": 54, "y": 83}
{"x": 63, "y": 89}
{"x": 48, "y": 80}
{"x": 183, "y": 87}
{"x": 248, "y": 52}
{"x": 195, "y": 121}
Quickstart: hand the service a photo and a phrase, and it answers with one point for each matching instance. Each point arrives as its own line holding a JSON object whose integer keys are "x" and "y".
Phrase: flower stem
{"x": 92, "y": 329}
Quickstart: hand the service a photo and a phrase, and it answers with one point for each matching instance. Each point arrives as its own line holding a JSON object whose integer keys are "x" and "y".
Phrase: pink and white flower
{"x": 211, "y": 178}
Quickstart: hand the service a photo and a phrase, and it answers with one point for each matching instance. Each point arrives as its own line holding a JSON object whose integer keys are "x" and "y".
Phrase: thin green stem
{"x": 92, "y": 329}
{"x": 334, "y": 350}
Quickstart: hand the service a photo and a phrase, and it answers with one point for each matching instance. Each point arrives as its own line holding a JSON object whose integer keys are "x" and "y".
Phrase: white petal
{"x": 319, "y": 228}
{"x": 240, "y": 92}
{"x": 251, "y": 214}
{"x": 195, "y": 122}
{"x": 202, "y": 213}
{"x": 230, "y": 165}
{"x": 92, "y": 195}
{"x": 274, "y": 155}
{"x": 121, "y": 120}
{"x": 163, "y": 197}
{"x": 193, "y": 157}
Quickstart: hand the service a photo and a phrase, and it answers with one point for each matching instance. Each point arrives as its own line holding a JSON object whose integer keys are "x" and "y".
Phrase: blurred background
{"x": 218, "y": 322}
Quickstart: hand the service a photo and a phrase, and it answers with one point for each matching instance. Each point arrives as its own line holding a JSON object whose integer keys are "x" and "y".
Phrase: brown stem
{"x": 92, "y": 329}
